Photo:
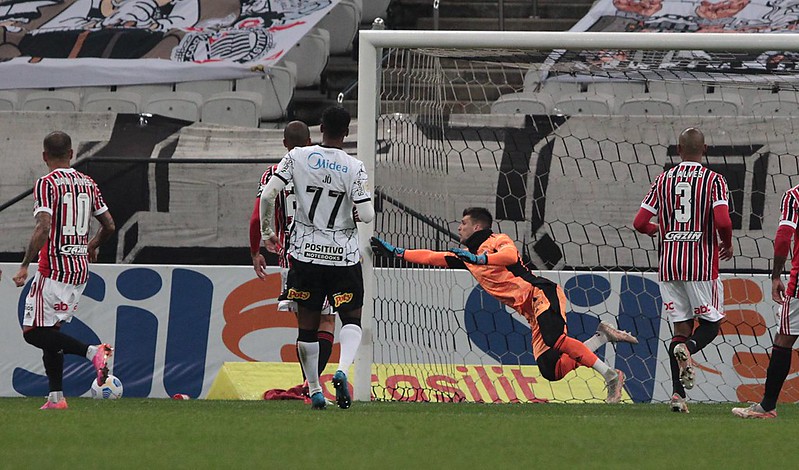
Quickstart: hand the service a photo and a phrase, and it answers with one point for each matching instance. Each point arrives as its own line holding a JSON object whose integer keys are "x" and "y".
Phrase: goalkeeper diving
{"x": 494, "y": 261}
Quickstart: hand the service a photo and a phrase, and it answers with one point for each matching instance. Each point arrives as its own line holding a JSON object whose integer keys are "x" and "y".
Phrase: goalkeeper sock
{"x": 309, "y": 358}
{"x": 595, "y": 342}
{"x": 350, "y": 338}
{"x": 325, "y": 348}
{"x": 778, "y": 367}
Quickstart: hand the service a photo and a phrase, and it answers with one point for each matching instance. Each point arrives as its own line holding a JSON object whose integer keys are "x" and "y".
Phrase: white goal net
{"x": 560, "y": 136}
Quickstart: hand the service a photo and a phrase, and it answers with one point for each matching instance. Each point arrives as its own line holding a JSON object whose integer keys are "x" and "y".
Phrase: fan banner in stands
{"x": 693, "y": 16}
{"x": 59, "y": 43}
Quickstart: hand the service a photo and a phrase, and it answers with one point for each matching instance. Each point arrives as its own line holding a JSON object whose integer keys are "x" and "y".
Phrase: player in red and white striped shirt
{"x": 690, "y": 202}
{"x": 296, "y": 134}
{"x": 64, "y": 202}
{"x": 779, "y": 364}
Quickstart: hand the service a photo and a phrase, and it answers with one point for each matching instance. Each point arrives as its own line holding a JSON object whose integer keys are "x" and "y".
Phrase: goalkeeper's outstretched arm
{"x": 431, "y": 258}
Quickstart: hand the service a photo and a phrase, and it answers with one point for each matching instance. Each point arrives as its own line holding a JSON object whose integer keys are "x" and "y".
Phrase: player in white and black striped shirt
{"x": 295, "y": 134}
{"x": 328, "y": 184}
{"x": 690, "y": 203}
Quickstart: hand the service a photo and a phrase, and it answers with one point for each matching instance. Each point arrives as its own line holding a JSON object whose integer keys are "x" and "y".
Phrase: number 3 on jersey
{"x": 337, "y": 195}
{"x": 682, "y": 209}
{"x": 76, "y": 214}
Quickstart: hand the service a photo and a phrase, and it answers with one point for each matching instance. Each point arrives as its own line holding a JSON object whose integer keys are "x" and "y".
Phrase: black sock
{"x": 54, "y": 368}
{"x": 703, "y": 335}
{"x": 325, "y": 348}
{"x": 52, "y": 339}
{"x": 675, "y": 368}
{"x": 778, "y": 367}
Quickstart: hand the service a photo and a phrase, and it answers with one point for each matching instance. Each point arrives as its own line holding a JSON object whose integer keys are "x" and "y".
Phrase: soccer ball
{"x": 110, "y": 390}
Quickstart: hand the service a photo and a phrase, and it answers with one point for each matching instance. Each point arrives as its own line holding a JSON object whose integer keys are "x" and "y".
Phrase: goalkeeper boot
{"x": 318, "y": 401}
{"x": 754, "y": 411}
{"x": 614, "y": 335}
{"x": 343, "y": 399}
{"x": 615, "y": 387}
{"x": 683, "y": 357}
{"x": 678, "y": 404}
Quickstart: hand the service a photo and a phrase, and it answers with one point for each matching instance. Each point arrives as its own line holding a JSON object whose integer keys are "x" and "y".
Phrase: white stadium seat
{"x": 60, "y": 101}
{"x": 235, "y": 108}
{"x": 145, "y": 91}
{"x": 310, "y": 55}
{"x": 775, "y": 104}
{"x": 206, "y": 88}
{"x": 523, "y": 103}
{"x": 184, "y": 105}
{"x": 655, "y": 104}
{"x": 8, "y": 100}
{"x": 713, "y": 105}
{"x": 584, "y": 103}
{"x": 342, "y": 22}
{"x": 276, "y": 86}
{"x": 618, "y": 90}
{"x": 121, "y": 102}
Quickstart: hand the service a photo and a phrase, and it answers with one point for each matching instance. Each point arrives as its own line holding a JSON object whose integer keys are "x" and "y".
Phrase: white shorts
{"x": 290, "y": 305}
{"x": 788, "y": 317}
{"x": 686, "y": 300}
{"x": 50, "y": 302}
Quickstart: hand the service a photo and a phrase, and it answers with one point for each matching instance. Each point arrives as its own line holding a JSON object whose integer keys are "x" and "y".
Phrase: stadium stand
{"x": 584, "y": 103}
{"x": 523, "y": 103}
{"x": 184, "y": 105}
{"x": 8, "y": 100}
{"x": 374, "y": 9}
{"x": 710, "y": 105}
{"x": 239, "y": 108}
{"x": 63, "y": 101}
{"x": 276, "y": 85}
{"x": 775, "y": 104}
{"x": 206, "y": 88}
{"x": 650, "y": 103}
{"x": 343, "y": 22}
{"x": 310, "y": 55}
{"x": 112, "y": 101}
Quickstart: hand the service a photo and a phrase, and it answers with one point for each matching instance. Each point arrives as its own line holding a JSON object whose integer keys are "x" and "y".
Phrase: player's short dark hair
{"x": 479, "y": 214}
{"x": 297, "y": 134}
{"x": 57, "y": 144}
{"x": 336, "y": 121}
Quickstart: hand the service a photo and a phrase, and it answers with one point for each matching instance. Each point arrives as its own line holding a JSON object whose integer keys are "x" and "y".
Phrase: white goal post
{"x": 371, "y": 46}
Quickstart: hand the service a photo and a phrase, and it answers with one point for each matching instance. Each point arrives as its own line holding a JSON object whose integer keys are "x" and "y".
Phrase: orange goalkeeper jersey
{"x": 505, "y": 277}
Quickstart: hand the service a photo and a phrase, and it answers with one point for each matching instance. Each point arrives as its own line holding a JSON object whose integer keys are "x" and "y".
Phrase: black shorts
{"x": 308, "y": 284}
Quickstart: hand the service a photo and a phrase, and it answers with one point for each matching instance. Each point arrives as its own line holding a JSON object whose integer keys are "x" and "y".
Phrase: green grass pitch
{"x": 154, "y": 434}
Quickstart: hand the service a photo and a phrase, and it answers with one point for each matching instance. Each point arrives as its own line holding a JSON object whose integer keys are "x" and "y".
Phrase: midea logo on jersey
{"x": 317, "y": 161}
{"x": 683, "y": 236}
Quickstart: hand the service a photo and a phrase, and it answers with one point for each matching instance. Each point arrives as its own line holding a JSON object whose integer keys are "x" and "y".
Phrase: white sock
{"x": 595, "y": 342}
{"x": 604, "y": 369}
{"x": 55, "y": 397}
{"x": 309, "y": 358}
{"x": 91, "y": 352}
{"x": 350, "y": 339}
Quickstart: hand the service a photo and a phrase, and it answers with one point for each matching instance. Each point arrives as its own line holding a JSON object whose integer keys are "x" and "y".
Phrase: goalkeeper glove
{"x": 384, "y": 248}
{"x": 468, "y": 257}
